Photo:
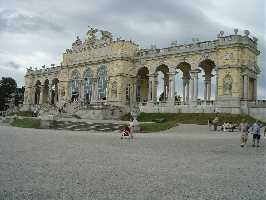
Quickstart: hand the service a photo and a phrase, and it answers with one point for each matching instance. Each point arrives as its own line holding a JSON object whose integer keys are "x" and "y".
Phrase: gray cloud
{"x": 48, "y": 27}
{"x": 12, "y": 21}
{"x": 12, "y": 65}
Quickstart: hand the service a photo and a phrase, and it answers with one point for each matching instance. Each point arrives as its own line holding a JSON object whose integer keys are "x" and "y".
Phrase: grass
{"x": 26, "y": 123}
{"x": 169, "y": 120}
{"x": 156, "y": 127}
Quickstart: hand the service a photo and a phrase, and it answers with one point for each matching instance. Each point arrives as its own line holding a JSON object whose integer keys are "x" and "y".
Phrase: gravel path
{"x": 187, "y": 162}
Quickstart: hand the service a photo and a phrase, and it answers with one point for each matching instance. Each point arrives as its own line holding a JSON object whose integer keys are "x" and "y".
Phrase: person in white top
{"x": 131, "y": 127}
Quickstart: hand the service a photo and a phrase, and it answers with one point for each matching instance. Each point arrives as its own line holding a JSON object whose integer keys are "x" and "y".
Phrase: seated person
{"x": 125, "y": 132}
{"x": 226, "y": 126}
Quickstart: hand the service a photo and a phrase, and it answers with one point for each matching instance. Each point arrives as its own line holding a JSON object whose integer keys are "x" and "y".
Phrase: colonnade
{"x": 190, "y": 87}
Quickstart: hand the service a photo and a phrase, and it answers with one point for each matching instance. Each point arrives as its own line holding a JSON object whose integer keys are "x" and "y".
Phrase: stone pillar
{"x": 50, "y": 94}
{"x": 41, "y": 94}
{"x": 196, "y": 81}
{"x": 246, "y": 87}
{"x": 209, "y": 90}
{"x": 184, "y": 90}
{"x": 155, "y": 85}
{"x": 255, "y": 89}
{"x": 187, "y": 87}
{"x": 107, "y": 90}
{"x": 93, "y": 97}
{"x": 207, "y": 87}
{"x": 134, "y": 93}
{"x": 173, "y": 87}
{"x": 192, "y": 92}
{"x": 81, "y": 90}
{"x": 96, "y": 96}
{"x": 216, "y": 87}
{"x": 150, "y": 89}
{"x": 205, "y": 90}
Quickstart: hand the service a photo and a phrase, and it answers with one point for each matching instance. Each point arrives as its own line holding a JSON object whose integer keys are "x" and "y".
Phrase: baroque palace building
{"x": 119, "y": 73}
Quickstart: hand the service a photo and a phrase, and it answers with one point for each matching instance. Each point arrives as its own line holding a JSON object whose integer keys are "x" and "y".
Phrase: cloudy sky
{"x": 35, "y": 32}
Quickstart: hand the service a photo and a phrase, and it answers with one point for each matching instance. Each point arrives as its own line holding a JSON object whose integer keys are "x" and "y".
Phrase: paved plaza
{"x": 186, "y": 162}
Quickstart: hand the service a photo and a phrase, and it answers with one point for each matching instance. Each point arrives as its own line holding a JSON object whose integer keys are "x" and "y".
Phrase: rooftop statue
{"x": 92, "y": 32}
{"x": 106, "y": 36}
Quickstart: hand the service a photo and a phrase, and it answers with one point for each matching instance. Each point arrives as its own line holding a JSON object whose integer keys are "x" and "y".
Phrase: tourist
{"x": 131, "y": 127}
{"x": 215, "y": 122}
{"x": 226, "y": 126}
{"x": 256, "y": 132}
{"x": 125, "y": 132}
{"x": 243, "y": 127}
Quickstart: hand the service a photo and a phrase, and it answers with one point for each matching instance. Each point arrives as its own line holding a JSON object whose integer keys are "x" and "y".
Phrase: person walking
{"x": 215, "y": 122}
{"x": 256, "y": 133}
{"x": 243, "y": 127}
{"x": 131, "y": 127}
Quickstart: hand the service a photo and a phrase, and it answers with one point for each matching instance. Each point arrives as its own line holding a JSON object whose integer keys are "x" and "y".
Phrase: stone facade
{"x": 117, "y": 72}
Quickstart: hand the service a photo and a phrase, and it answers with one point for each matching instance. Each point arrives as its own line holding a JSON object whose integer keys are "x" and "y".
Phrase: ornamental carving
{"x": 228, "y": 83}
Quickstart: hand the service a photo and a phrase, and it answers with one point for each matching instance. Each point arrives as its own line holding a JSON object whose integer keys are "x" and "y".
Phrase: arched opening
{"x": 142, "y": 85}
{"x": 207, "y": 67}
{"x": 182, "y": 77}
{"x": 45, "y": 97}
{"x": 75, "y": 85}
{"x": 37, "y": 92}
{"x": 88, "y": 81}
{"x": 102, "y": 82}
{"x": 162, "y": 83}
{"x": 54, "y": 91}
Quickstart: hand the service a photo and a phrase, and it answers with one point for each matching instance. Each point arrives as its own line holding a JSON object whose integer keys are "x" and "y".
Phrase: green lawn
{"x": 26, "y": 123}
{"x": 163, "y": 121}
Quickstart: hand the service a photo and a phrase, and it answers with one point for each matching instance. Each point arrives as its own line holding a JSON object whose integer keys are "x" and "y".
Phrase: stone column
{"x": 134, "y": 93}
{"x": 50, "y": 94}
{"x": 107, "y": 90}
{"x": 187, "y": 87}
{"x": 81, "y": 90}
{"x": 216, "y": 87}
{"x": 41, "y": 94}
{"x": 173, "y": 87}
{"x": 155, "y": 85}
{"x": 255, "y": 89}
{"x": 93, "y": 99}
{"x": 184, "y": 90}
{"x": 192, "y": 86}
{"x": 209, "y": 90}
{"x": 150, "y": 89}
{"x": 96, "y": 96}
{"x": 205, "y": 90}
{"x": 196, "y": 80}
{"x": 246, "y": 87}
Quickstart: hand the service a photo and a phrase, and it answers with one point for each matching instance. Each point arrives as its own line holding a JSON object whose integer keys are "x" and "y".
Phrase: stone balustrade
{"x": 226, "y": 40}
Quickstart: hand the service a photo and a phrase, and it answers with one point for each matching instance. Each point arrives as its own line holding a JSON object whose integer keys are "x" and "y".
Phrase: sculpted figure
{"x": 92, "y": 33}
{"x": 106, "y": 36}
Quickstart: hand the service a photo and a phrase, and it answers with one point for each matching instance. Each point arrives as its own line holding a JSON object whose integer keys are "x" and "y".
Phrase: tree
{"x": 7, "y": 87}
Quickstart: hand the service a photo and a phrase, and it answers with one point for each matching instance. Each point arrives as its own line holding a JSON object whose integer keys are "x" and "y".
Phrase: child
{"x": 125, "y": 132}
